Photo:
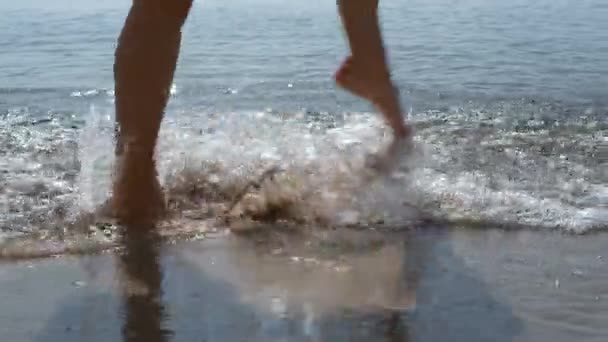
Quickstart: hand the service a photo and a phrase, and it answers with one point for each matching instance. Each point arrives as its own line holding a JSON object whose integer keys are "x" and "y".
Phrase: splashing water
{"x": 474, "y": 169}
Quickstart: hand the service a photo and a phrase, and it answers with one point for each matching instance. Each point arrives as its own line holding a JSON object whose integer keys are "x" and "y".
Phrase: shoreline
{"x": 331, "y": 285}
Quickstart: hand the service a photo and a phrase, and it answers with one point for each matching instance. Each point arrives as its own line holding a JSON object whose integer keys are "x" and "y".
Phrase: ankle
{"x": 402, "y": 131}
{"x": 373, "y": 69}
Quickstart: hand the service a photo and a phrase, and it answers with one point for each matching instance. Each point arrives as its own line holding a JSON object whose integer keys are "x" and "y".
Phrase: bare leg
{"x": 366, "y": 73}
{"x": 145, "y": 61}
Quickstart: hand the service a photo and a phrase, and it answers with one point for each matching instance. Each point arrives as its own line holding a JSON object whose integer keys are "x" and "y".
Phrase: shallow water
{"x": 508, "y": 100}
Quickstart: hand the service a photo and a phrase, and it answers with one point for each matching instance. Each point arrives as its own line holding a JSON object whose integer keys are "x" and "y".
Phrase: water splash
{"x": 474, "y": 169}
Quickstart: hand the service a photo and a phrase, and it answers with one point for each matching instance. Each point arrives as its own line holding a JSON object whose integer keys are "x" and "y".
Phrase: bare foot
{"x": 375, "y": 86}
{"x": 388, "y": 159}
{"x": 137, "y": 195}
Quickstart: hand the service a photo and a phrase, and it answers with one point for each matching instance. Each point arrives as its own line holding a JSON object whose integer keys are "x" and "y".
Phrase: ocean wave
{"x": 464, "y": 172}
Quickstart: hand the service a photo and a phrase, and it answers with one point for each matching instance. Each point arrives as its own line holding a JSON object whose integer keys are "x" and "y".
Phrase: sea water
{"x": 509, "y": 101}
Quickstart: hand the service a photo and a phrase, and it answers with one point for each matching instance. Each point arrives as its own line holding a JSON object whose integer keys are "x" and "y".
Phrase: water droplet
{"x": 79, "y": 283}
{"x": 342, "y": 269}
{"x": 278, "y": 306}
{"x": 349, "y": 217}
{"x": 311, "y": 260}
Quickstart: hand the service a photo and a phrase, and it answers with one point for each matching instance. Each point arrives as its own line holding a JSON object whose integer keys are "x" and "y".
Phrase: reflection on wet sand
{"x": 144, "y": 310}
{"x": 325, "y": 286}
{"x": 470, "y": 285}
{"x": 340, "y": 270}
{"x": 316, "y": 290}
{"x": 353, "y": 286}
{"x": 333, "y": 286}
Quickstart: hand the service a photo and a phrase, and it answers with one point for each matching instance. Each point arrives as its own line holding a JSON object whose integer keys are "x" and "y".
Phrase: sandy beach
{"x": 339, "y": 285}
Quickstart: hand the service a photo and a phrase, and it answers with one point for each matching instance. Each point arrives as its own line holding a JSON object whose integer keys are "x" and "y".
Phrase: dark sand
{"x": 468, "y": 285}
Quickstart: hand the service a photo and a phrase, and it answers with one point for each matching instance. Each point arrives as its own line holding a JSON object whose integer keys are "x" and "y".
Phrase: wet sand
{"x": 343, "y": 285}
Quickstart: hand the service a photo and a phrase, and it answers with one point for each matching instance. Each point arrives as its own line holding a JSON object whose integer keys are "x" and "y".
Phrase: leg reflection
{"x": 142, "y": 288}
{"x": 397, "y": 330}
